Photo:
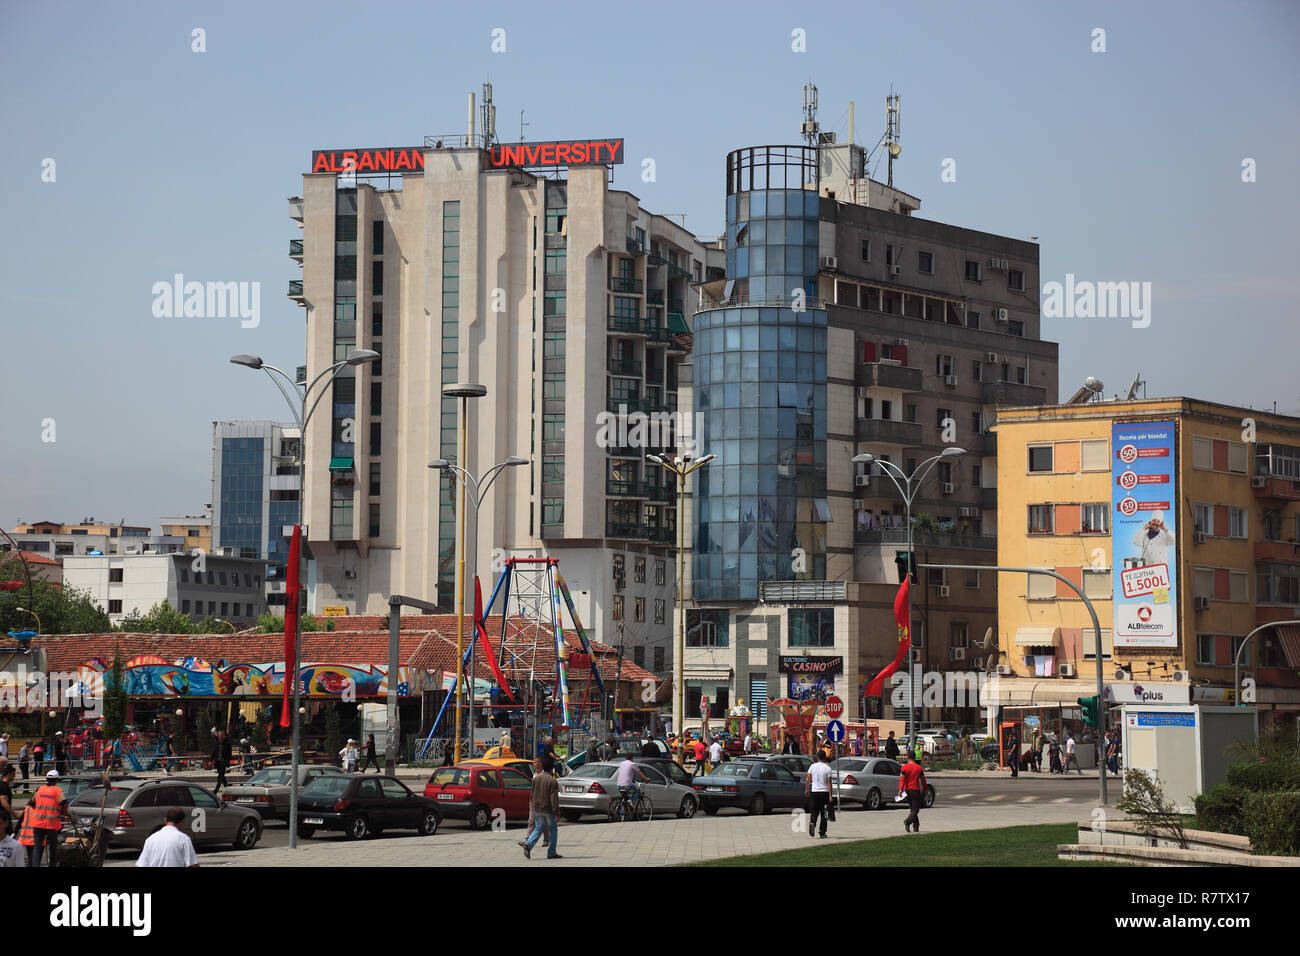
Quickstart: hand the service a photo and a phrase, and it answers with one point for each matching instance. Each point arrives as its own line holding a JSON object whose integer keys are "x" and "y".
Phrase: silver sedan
{"x": 267, "y": 791}
{"x": 870, "y": 781}
{"x": 590, "y": 788}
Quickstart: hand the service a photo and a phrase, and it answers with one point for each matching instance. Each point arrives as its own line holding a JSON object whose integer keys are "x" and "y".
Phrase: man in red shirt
{"x": 700, "y": 751}
{"x": 912, "y": 782}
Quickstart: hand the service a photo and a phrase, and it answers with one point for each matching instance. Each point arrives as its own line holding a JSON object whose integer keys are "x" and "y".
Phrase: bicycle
{"x": 624, "y": 808}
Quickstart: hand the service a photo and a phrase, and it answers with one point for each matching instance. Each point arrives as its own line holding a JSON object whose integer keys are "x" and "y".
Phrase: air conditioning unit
{"x": 1198, "y": 537}
{"x": 862, "y": 481}
{"x": 1004, "y": 669}
{"x": 944, "y": 590}
{"x": 998, "y": 264}
{"x": 830, "y": 262}
{"x": 1067, "y": 670}
{"x": 1120, "y": 674}
{"x": 1179, "y": 677}
{"x": 902, "y": 342}
{"x": 950, "y": 381}
{"x": 1259, "y": 481}
{"x": 946, "y": 487}
{"x": 1001, "y": 315}
{"x": 895, "y": 270}
{"x": 991, "y": 357}
{"x": 1202, "y": 603}
{"x": 956, "y": 653}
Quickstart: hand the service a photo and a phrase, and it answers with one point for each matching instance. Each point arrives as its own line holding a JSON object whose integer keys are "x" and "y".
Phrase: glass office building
{"x": 760, "y": 385}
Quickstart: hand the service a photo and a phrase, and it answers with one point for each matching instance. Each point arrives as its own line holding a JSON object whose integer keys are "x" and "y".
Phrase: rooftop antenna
{"x": 488, "y": 112}
{"x": 893, "y": 129}
{"x": 809, "y": 128}
{"x": 522, "y": 124}
{"x": 1132, "y": 389}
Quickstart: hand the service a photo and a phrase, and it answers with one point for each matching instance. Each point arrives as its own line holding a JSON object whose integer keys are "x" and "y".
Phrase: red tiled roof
{"x": 32, "y": 557}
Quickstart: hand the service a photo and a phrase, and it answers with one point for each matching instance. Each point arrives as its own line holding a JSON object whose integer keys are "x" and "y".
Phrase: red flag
{"x": 290, "y": 625}
{"x": 490, "y": 657}
{"x": 904, "y": 640}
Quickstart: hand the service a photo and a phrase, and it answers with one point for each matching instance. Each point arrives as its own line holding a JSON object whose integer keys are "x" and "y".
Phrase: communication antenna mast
{"x": 488, "y": 117}
{"x": 1132, "y": 389}
{"x": 809, "y": 128}
{"x": 893, "y": 129}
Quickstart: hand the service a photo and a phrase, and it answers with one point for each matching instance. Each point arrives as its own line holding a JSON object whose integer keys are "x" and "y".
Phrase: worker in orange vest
{"x": 25, "y": 836}
{"x": 45, "y": 817}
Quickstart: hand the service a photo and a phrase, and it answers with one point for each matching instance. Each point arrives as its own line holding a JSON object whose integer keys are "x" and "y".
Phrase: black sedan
{"x": 361, "y": 805}
{"x": 753, "y": 785}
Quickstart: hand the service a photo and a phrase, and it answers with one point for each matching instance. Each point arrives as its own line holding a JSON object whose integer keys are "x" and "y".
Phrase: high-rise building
{"x": 518, "y": 268}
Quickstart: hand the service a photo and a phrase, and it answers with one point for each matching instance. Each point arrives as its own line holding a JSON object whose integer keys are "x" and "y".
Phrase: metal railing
{"x": 625, "y": 366}
{"x": 625, "y": 284}
{"x": 779, "y": 301}
{"x": 630, "y": 325}
{"x": 455, "y": 141}
{"x": 626, "y": 488}
{"x": 626, "y": 529}
{"x": 295, "y": 288}
{"x": 295, "y": 247}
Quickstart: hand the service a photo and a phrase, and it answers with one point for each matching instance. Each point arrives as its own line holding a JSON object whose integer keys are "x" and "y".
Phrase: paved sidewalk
{"x": 657, "y": 843}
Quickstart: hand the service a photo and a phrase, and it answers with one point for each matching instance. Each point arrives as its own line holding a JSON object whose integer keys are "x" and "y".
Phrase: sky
{"x": 1126, "y": 162}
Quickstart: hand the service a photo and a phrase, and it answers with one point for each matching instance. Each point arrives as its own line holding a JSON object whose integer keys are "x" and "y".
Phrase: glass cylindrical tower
{"x": 760, "y": 385}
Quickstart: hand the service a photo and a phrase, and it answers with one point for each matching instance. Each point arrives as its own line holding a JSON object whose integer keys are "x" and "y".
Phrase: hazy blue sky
{"x": 1126, "y": 165}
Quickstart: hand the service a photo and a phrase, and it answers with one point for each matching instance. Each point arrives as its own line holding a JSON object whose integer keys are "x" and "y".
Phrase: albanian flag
{"x": 482, "y": 633}
{"x": 904, "y": 640}
{"x": 291, "y": 625}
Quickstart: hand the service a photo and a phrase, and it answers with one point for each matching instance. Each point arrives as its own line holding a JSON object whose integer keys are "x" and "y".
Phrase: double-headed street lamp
{"x": 28, "y": 610}
{"x": 301, "y": 405}
{"x": 475, "y": 489}
{"x": 681, "y": 466}
{"x": 911, "y": 484}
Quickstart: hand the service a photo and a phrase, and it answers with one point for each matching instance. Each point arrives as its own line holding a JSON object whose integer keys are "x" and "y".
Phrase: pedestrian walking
{"x": 749, "y": 742}
{"x": 715, "y": 754}
{"x": 817, "y": 789}
{"x": 38, "y": 756}
{"x": 7, "y": 790}
{"x": 60, "y": 753}
{"x": 1013, "y": 753}
{"x": 12, "y": 853}
{"x": 4, "y": 746}
{"x": 221, "y": 756}
{"x": 170, "y": 846}
{"x": 857, "y": 743}
{"x": 911, "y": 783}
{"x": 1071, "y": 758}
{"x": 48, "y": 805}
{"x": 609, "y": 749}
{"x": 700, "y": 753}
{"x": 25, "y": 762}
{"x": 891, "y": 747}
{"x": 593, "y": 751}
{"x": 370, "y": 754}
{"x": 543, "y": 809}
{"x": 169, "y": 753}
{"x": 350, "y": 756}
{"x": 1054, "y": 756}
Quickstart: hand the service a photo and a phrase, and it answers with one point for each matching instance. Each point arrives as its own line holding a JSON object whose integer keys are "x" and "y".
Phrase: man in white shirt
{"x": 749, "y": 743}
{"x": 715, "y": 752}
{"x": 817, "y": 786}
{"x": 12, "y": 853}
{"x": 1070, "y": 756}
{"x": 170, "y": 846}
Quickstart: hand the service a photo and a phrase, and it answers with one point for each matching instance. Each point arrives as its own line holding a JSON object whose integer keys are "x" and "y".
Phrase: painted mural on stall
{"x": 151, "y": 676}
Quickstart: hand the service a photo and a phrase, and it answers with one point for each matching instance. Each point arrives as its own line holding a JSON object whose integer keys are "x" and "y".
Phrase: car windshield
{"x": 92, "y": 796}
{"x": 450, "y": 777}
{"x": 602, "y": 771}
{"x": 271, "y": 778}
{"x": 733, "y": 770}
{"x": 327, "y": 787}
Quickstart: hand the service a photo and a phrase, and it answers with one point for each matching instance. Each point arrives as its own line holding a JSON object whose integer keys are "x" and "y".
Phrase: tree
{"x": 162, "y": 618}
{"x": 61, "y": 610}
{"x": 270, "y": 623}
{"x": 210, "y": 625}
{"x": 1145, "y": 802}
{"x": 115, "y": 698}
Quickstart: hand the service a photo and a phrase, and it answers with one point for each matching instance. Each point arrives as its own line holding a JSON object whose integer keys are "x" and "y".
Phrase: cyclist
{"x": 626, "y": 780}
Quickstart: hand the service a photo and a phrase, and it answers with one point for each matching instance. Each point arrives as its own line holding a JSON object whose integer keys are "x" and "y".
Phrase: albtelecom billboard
{"x": 1144, "y": 518}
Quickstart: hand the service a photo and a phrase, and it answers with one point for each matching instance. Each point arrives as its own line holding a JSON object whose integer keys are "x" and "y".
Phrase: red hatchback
{"x": 475, "y": 792}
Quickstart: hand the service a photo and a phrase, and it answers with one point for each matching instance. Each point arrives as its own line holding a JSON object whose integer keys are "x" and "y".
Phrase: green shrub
{"x": 1277, "y": 772}
{"x": 1272, "y": 821}
{"x": 1219, "y": 809}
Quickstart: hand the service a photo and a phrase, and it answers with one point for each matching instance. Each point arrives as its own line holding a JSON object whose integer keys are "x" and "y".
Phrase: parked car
{"x": 870, "y": 781}
{"x": 590, "y": 788}
{"x": 518, "y": 764}
{"x": 136, "y": 809}
{"x": 753, "y": 785}
{"x": 475, "y": 791}
{"x": 797, "y": 764}
{"x": 73, "y": 784}
{"x": 267, "y": 791}
{"x": 668, "y": 768}
{"x": 360, "y": 805}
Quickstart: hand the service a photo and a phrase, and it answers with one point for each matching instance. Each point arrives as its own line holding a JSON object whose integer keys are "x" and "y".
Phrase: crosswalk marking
{"x": 1026, "y": 800}
{"x": 962, "y": 796}
{"x": 1062, "y": 800}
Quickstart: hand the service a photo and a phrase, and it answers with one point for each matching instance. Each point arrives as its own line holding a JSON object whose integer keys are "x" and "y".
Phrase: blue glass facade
{"x": 242, "y": 466}
{"x": 760, "y": 385}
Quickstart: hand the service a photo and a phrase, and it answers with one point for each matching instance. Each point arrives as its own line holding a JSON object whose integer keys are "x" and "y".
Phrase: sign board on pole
{"x": 835, "y": 731}
{"x": 834, "y": 707}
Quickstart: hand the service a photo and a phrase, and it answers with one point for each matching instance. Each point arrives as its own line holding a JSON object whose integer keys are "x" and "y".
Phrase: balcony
{"x": 655, "y": 296}
{"x": 1012, "y": 393}
{"x": 300, "y": 375}
{"x": 1283, "y": 552}
{"x": 626, "y": 406}
{"x": 625, "y": 366}
{"x": 989, "y": 499}
{"x": 1273, "y": 487}
{"x": 295, "y": 290}
{"x": 663, "y": 535}
{"x": 626, "y": 488}
{"x": 626, "y": 529}
{"x": 665, "y": 492}
{"x": 676, "y": 271}
{"x": 888, "y": 375}
{"x": 295, "y": 249}
{"x": 295, "y": 208}
{"x": 625, "y": 325}
{"x": 635, "y": 247}
{"x": 794, "y": 592}
{"x": 894, "y": 433}
{"x": 985, "y": 444}
{"x": 624, "y": 284}
{"x": 926, "y": 539}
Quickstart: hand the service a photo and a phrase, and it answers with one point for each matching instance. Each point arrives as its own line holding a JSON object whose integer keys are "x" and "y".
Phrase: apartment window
{"x": 345, "y": 309}
{"x": 1090, "y": 643}
{"x": 959, "y": 634}
{"x": 941, "y": 416}
{"x": 660, "y": 572}
{"x": 976, "y": 371}
{"x": 638, "y": 610}
{"x": 1016, "y": 280}
{"x": 638, "y": 570}
{"x": 115, "y": 606}
{"x": 376, "y": 429}
{"x": 973, "y": 580}
{"x": 553, "y": 428}
{"x": 1238, "y": 586}
{"x": 925, "y": 263}
{"x": 909, "y": 411}
{"x": 341, "y": 514}
{"x": 866, "y": 250}
{"x": 374, "y": 478}
{"x": 619, "y": 568}
{"x": 376, "y": 398}
{"x": 972, "y": 320}
{"x": 185, "y": 576}
{"x": 377, "y": 319}
{"x": 225, "y": 609}
{"x": 1015, "y": 328}
{"x": 115, "y": 575}
{"x": 555, "y": 261}
{"x": 1040, "y": 458}
{"x": 552, "y": 468}
{"x": 248, "y": 580}
{"x": 812, "y": 627}
{"x": 1203, "y": 583}
{"x": 708, "y": 628}
{"x": 638, "y": 656}
{"x": 1097, "y": 584}
{"x": 1236, "y": 458}
{"x": 942, "y": 364}
{"x": 659, "y": 610}
{"x": 1205, "y": 649}
{"x": 886, "y": 410}
{"x": 1020, "y": 375}
{"x": 1202, "y": 453}
{"x": 553, "y": 385}
{"x": 617, "y": 612}
{"x": 972, "y": 270}
{"x": 1094, "y": 456}
{"x": 890, "y": 253}
{"x": 977, "y": 476}
{"x": 552, "y": 344}
{"x": 1040, "y": 519}
{"x": 374, "y": 519}
{"x": 1040, "y": 587}
{"x": 659, "y": 659}
{"x": 377, "y": 237}
{"x": 185, "y": 607}
{"x": 975, "y": 423}
{"x": 1094, "y": 518}
{"x": 377, "y": 277}
{"x": 212, "y": 608}
{"x": 1270, "y": 651}
{"x": 1237, "y": 522}
{"x": 1203, "y": 518}
{"x": 342, "y": 347}
{"x": 552, "y": 511}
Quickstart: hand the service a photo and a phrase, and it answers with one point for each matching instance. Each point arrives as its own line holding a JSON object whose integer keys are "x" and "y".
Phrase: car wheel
{"x": 306, "y": 832}
{"x": 428, "y": 823}
{"x": 873, "y": 800}
{"x": 573, "y": 816}
{"x": 711, "y": 811}
{"x": 481, "y": 818}
{"x": 687, "y": 809}
{"x": 359, "y": 828}
{"x": 758, "y": 805}
{"x": 247, "y": 834}
{"x": 928, "y": 800}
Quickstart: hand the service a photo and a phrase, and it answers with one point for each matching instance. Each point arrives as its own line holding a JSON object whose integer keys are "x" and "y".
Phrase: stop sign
{"x": 834, "y": 707}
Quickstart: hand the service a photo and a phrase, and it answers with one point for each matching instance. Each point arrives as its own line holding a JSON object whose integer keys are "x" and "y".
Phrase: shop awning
{"x": 1289, "y": 638}
{"x": 341, "y": 464}
{"x": 1037, "y": 636}
{"x": 677, "y": 324}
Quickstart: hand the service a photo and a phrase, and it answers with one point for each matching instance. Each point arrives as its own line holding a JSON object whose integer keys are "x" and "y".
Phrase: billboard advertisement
{"x": 1144, "y": 518}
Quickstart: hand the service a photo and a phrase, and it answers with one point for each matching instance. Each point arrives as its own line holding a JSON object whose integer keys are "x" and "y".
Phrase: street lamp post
{"x": 475, "y": 490}
{"x": 681, "y": 466}
{"x": 298, "y": 398}
{"x": 35, "y": 615}
{"x": 911, "y": 485}
{"x": 1236, "y": 658}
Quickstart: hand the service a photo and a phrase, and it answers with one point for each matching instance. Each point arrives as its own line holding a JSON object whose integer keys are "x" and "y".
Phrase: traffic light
{"x": 900, "y": 559}
{"x": 1089, "y": 706}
